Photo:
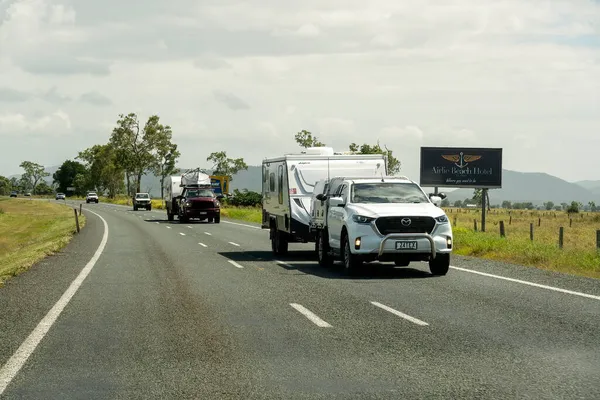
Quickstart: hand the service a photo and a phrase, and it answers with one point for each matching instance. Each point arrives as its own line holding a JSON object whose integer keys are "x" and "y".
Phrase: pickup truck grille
{"x": 387, "y": 225}
{"x": 202, "y": 205}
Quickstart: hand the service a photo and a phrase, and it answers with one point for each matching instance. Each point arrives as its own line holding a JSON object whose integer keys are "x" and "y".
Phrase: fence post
{"x": 597, "y": 239}
{"x": 502, "y": 231}
{"x": 531, "y": 231}
{"x": 76, "y": 220}
{"x": 570, "y": 222}
{"x": 539, "y": 222}
{"x": 455, "y": 221}
{"x": 80, "y": 208}
{"x": 561, "y": 235}
{"x": 510, "y": 219}
{"x": 475, "y": 225}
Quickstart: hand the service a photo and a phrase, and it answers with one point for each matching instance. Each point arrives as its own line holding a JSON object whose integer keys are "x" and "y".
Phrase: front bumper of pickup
{"x": 202, "y": 213}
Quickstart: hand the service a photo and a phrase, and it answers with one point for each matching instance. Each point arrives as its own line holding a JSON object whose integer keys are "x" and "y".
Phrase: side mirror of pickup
{"x": 321, "y": 197}
{"x": 440, "y": 195}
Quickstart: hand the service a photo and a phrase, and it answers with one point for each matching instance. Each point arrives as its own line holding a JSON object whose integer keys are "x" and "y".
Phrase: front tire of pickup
{"x": 217, "y": 219}
{"x": 323, "y": 249}
{"x": 352, "y": 263}
{"x": 440, "y": 265}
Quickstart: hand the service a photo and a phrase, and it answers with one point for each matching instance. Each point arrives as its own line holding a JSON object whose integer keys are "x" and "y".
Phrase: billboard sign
{"x": 461, "y": 167}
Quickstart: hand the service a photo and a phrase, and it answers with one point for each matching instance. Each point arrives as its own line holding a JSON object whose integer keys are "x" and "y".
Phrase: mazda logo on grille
{"x": 405, "y": 221}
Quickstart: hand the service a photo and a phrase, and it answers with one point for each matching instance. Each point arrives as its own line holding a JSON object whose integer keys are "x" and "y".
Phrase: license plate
{"x": 202, "y": 212}
{"x": 406, "y": 245}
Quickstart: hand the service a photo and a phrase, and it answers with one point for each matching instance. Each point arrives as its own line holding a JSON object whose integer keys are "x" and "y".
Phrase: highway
{"x": 152, "y": 309}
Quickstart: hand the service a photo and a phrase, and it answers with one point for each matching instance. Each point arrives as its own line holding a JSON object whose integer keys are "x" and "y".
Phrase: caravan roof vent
{"x": 319, "y": 151}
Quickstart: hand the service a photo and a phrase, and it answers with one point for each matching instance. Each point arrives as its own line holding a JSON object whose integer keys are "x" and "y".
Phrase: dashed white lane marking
{"x": 589, "y": 296}
{"x": 202, "y": 244}
{"x": 248, "y": 226}
{"x": 310, "y": 315}
{"x": 235, "y": 244}
{"x": 18, "y": 359}
{"x": 168, "y": 227}
{"x": 208, "y": 233}
{"x": 182, "y": 234}
{"x": 400, "y": 314}
{"x": 156, "y": 222}
{"x": 234, "y": 264}
{"x": 284, "y": 264}
{"x": 191, "y": 227}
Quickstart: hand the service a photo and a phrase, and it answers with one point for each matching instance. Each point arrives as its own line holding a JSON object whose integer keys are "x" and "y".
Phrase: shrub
{"x": 245, "y": 199}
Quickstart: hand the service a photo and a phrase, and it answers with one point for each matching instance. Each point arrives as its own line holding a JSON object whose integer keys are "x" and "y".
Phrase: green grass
{"x": 248, "y": 214}
{"x": 578, "y": 255}
{"x": 31, "y": 230}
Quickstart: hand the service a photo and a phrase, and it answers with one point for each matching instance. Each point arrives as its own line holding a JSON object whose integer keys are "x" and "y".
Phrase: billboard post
{"x": 462, "y": 167}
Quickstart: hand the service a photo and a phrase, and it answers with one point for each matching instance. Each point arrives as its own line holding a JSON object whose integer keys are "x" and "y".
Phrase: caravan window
{"x": 272, "y": 182}
{"x": 280, "y": 183}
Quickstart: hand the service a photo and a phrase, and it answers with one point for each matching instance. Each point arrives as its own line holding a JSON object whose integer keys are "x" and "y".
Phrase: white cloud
{"x": 17, "y": 124}
{"x": 409, "y": 73}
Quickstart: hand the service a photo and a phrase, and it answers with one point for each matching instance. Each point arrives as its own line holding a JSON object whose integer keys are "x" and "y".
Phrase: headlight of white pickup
{"x": 361, "y": 219}
{"x": 442, "y": 219}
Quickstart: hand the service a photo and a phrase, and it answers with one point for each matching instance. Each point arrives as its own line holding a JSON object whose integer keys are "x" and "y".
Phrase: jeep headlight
{"x": 361, "y": 219}
{"x": 188, "y": 203}
{"x": 442, "y": 219}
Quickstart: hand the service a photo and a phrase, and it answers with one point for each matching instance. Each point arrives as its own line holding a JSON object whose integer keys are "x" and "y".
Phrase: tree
{"x": 592, "y": 206}
{"x": 44, "y": 189}
{"x": 548, "y": 205}
{"x": 64, "y": 176}
{"x": 5, "y": 186}
{"x": 573, "y": 208}
{"x": 33, "y": 173}
{"x": 478, "y": 198}
{"x": 458, "y": 204}
{"x": 393, "y": 164}
{"x": 445, "y": 202}
{"x": 164, "y": 152}
{"x": 306, "y": 139}
{"x": 222, "y": 165}
{"x": 134, "y": 146}
{"x": 105, "y": 173}
{"x": 506, "y": 204}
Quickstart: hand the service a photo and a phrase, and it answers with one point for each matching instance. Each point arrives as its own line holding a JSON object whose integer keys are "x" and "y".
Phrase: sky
{"x": 244, "y": 77}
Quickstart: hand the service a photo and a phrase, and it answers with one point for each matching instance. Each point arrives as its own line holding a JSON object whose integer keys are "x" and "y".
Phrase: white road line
{"x": 182, "y": 234}
{"x": 26, "y": 349}
{"x": 207, "y": 233}
{"x": 310, "y": 315}
{"x": 284, "y": 264}
{"x": 234, "y": 264}
{"x": 202, "y": 244}
{"x": 168, "y": 227}
{"x": 235, "y": 244}
{"x": 398, "y": 313}
{"x": 191, "y": 227}
{"x": 156, "y": 222}
{"x": 589, "y": 296}
{"x": 248, "y": 226}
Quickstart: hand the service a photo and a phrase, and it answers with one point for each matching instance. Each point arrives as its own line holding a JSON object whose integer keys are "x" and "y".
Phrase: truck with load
{"x": 191, "y": 195}
{"x": 289, "y": 181}
{"x": 384, "y": 219}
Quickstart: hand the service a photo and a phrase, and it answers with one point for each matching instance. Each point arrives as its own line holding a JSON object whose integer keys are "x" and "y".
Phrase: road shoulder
{"x": 26, "y": 298}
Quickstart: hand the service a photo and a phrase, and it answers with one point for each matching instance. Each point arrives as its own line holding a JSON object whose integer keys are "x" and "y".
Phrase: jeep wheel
{"x": 323, "y": 249}
{"x": 170, "y": 216}
{"x": 352, "y": 263}
{"x": 134, "y": 208}
{"x": 150, "y": 208}
{"x": 440, "y": 264}
{"x": 217, "y": 219}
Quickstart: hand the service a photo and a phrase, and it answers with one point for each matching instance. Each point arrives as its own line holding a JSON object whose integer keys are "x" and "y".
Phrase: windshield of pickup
{"x": 385, "y": 192}
{"x": 199, "y": 193}
{"x": 142, "y": 196}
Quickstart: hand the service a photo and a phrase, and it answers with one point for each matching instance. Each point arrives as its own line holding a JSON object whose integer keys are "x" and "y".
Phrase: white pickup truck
{"x": 386, "y": 219}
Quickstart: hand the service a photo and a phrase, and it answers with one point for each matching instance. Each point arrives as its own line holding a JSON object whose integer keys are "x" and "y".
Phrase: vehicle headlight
{"x": 442, "y": 219}
{"x": 188, "y": 203}
{"x": 361, "y": 219}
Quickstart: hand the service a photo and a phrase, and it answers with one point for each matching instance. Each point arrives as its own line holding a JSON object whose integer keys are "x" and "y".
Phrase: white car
{"x": 91, "y": 197}
{"x": 384, "y": 219}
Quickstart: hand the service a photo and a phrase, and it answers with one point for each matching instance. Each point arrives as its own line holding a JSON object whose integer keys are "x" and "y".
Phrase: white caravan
{"x": 288, "y": 183}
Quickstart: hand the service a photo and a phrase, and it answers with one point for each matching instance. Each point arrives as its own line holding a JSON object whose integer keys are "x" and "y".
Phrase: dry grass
{"x": 578, "y": 255}
{"x": 248, "y": 214}
{"x": 31, "y": 230}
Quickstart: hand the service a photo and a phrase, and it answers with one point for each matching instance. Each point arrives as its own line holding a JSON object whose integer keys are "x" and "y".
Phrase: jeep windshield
{"x": 386, "y": 192}
{"x": 142, "y": 196}
{"x": 199, "y": 193}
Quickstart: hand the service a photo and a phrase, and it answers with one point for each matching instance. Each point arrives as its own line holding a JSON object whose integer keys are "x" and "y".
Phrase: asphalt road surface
{"x": 137, "y": 307}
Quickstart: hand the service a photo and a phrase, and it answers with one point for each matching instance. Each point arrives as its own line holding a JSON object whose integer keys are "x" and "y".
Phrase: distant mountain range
{"x": 517, "y": 187}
